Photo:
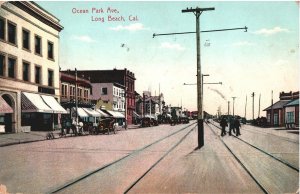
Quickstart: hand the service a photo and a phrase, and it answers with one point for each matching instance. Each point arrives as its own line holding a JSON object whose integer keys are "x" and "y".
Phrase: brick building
{"x": 120, "y": 76}
{"x": 283, "y": 111}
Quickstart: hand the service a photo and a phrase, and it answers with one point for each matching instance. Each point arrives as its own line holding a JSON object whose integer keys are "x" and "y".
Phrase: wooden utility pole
{"x": 252, "y": 95}
{"x": 272, "y": 113}
{"x": 246, "y": 108}
{"x": 198, "y": 11}
{"x": 259, "y": 105}
{"x": 233, "y": 98}
{"x": 76, "y": 97}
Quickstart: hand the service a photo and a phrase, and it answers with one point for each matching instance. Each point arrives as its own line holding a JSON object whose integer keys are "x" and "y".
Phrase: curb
{"x": 20, "y": 142}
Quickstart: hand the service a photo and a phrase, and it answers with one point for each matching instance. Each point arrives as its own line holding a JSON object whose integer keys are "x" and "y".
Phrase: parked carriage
{"x": 105, "y": 126}
{"x": 145, "y": 122}
{"x": 153, "y": 122}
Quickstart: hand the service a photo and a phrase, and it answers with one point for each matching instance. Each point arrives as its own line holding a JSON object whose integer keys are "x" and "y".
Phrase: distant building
{"x": 29, "y": 68}
{"x": 68, "y": 93}
{"x": 139, "y": 108}
{"x": 277, "y": 114}
{"x": 121, "y": 76}
{"x": 291, "y": 111}
{"x": 109, "y": 93}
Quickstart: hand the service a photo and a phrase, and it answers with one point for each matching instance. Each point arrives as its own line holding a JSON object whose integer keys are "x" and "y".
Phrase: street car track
{"x": 265, "y": 133}
{"x": 265, "y": 152}
{"x": 240, "y": 162}
{"x": 160, "y": 159}
{"x": 72, "y": 182}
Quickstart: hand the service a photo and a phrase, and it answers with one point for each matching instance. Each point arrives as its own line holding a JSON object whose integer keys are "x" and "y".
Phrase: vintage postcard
{"x": 149, "y": 97}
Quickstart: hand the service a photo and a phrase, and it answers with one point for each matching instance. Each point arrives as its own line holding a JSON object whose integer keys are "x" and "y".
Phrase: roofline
{"x": 39, "y": 13}
{"x": 44, "y": 10}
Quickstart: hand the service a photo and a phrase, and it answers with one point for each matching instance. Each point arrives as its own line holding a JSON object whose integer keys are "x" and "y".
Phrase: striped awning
{"x": 81, "y": 112}
{"x": 91, "y": 112}
{"x": 53, "y": 104}
{"x": 116, "y": 114}
{"x": 4, "y": 107}
{"x": 103, "y": 114}
{"x": 34, "y": 103}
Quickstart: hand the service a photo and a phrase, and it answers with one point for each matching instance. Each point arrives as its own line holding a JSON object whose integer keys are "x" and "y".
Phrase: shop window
{"x": 290, "y": 117}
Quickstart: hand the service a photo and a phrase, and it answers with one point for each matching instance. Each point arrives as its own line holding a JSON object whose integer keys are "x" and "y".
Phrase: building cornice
{"x": 38, "y": 13}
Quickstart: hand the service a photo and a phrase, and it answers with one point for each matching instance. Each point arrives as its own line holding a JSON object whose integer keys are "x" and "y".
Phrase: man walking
{"x": 237, "y": 126}
{"x": 223, "y": 124}
{"x": 231, "y": 125}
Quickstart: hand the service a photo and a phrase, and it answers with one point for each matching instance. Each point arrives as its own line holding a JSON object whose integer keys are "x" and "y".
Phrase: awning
{"x": 4, "y": 107}
{"x": 91, "y": 112}
{"x": 116, "y": 114}
{"x": 136, "y": 115}
{"x": 150, "y": 116}
{"x": 53, "y": 104}
{"x": 103, "y": 114}
{"x": 81, "y": 112}
{"x": 34, "y": 103}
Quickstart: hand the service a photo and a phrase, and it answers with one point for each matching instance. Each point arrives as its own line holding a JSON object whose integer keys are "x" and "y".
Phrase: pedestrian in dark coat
{"x": 237, "y": 126}
{"x": 223, "y": 124}
{"x": 231, "y": 126}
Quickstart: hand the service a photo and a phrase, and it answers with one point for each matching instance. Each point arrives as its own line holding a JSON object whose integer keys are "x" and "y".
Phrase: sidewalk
{"x": 18, "y": 138}
{"x": 33, "y": 136}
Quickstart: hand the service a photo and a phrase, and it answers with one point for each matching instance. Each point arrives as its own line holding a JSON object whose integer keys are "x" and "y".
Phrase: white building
{"x": 29, "y": 65}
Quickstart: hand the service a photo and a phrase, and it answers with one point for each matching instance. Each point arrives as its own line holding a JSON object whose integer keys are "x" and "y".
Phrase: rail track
{"x": 265, "y": 133}
{"x": 190, "y": 128}
{"x": 252, "y": 175}
{"x": 265, "y": 152}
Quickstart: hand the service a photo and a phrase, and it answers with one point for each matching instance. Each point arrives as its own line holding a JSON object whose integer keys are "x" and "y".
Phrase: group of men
{"x": 234, "y": 125}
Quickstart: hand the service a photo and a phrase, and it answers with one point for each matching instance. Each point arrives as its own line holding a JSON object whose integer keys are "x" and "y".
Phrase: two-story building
{"x": 29, "y": 68}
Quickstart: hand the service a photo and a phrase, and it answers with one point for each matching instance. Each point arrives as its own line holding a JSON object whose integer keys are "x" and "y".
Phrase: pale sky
{"x": 263, "y": 59}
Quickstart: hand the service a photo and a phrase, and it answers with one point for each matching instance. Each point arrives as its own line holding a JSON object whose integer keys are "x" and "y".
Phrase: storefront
{"x": 40, "y": 112}
{"x": 6, "y": 112}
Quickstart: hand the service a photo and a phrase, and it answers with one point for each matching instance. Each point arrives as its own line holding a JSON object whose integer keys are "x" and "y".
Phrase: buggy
{"x": 106, "y": 125}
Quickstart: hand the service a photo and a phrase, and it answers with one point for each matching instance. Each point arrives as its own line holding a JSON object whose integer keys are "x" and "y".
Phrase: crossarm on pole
{"x": 219, "y": 30}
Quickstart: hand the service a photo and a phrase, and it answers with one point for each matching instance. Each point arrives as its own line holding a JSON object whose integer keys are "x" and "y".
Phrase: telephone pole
{"x": 271, "y": 116}
{"x": 197, "y": 12}
{"x": 259, "y": 105}
{"x": 246, "y": 108}
{"x": 233, "y": 98}
{"x": 252, "y": 95}
{"x": 76, "y": 97}
{"x": 228, "y": 107}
